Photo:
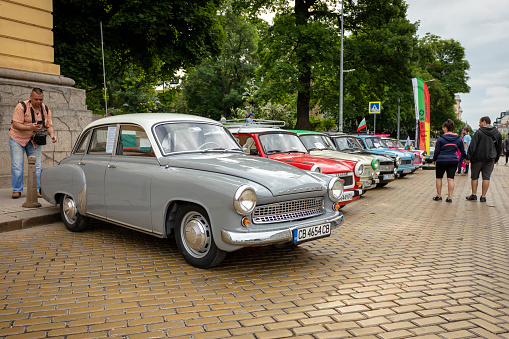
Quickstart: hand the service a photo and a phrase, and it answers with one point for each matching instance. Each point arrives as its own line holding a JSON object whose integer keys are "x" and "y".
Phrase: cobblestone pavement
{"x": 402, "y": 266}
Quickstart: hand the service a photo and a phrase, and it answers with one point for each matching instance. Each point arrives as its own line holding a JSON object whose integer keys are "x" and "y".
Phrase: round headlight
{"x": 244, "y": 200}
{"x": 316, "y": 168}
{"x": 336, "y": 189}
{"x": 359, "y": 169}
{"x": 375, "y": 163}
{"x": 398, "y": 161}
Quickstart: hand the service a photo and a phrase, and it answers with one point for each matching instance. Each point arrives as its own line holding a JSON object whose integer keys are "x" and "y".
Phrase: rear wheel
{"x": 71, "y": 217}
{"x": 194, "y": 237}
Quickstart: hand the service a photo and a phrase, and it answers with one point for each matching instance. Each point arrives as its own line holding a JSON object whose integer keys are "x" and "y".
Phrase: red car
{"x": 287, "y": 147}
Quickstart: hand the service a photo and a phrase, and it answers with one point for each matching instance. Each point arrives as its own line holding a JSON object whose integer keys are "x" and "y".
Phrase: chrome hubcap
{"x": 196, "y": 233}
{"x": 70, "y": 210}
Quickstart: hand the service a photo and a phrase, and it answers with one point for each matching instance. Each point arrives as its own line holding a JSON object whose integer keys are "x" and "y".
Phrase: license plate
{"x": 347, "y": 196}
{"x": 311, "y": 232}
{"x": 407, "y": 171}
{"x": 388, "y": 176}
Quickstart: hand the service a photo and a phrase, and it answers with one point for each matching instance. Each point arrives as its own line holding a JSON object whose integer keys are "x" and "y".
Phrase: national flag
{"x": 408, "y": 144}
{"x": 362, "y": 124}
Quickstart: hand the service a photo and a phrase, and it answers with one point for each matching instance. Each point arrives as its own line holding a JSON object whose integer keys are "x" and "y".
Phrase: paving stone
{"x": 401, "y": 266}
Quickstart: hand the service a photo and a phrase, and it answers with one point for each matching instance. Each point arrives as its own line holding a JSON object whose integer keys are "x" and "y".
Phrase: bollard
{"x": 31, "y": 185}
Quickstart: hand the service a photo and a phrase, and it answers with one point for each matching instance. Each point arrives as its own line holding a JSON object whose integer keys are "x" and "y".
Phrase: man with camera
{"x": 31, "y": 123}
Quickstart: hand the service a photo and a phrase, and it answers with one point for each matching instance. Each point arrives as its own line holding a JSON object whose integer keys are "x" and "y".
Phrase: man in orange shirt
{"x": 21, "y": 138}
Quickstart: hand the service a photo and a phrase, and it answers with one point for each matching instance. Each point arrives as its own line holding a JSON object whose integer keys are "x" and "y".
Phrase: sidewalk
{"x": 13, "y": 216}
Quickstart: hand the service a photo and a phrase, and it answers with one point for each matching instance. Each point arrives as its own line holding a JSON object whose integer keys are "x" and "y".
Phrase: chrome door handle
{"x": 112, "y": 166}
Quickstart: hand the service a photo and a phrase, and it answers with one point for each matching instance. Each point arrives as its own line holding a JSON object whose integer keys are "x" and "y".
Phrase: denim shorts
{"x": 486, "y": 167}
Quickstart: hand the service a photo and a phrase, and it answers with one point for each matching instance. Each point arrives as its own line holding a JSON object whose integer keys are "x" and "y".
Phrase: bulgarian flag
{"x": 362, "y": 124}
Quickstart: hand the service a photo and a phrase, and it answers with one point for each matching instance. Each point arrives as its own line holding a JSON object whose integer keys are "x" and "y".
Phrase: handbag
{"x": 39, "y": 137}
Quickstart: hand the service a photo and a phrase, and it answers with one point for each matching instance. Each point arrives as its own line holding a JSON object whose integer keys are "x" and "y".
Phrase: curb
{"x": 26, "y": 219}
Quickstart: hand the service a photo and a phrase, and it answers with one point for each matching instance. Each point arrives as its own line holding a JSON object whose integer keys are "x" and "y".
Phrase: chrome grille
{"x": 386, "y": 168}
{"x": 348, "y": 179}
{"x": 406, "y": 162}
{"x": 288, "y": 210}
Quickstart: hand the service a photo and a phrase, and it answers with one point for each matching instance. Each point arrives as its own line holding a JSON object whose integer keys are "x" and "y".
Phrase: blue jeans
{"x": 18, "y": 160}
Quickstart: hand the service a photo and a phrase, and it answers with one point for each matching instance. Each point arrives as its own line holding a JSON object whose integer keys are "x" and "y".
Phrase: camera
{"x": 39, "y": 122}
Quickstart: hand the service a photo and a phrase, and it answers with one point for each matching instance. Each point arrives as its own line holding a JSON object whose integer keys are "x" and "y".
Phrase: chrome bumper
{"x": 273, "y": 237}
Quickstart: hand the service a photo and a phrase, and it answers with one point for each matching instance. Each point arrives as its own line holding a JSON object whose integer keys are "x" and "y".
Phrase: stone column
{"x": 67, "y": 104}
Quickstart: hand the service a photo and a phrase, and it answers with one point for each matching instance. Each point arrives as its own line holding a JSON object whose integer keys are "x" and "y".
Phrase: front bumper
{"x": 274, "y": 237}
{"x": 387, "y": 177}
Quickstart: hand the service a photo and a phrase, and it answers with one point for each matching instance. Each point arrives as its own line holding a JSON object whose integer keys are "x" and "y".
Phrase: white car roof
{"x": 147, "y": 120}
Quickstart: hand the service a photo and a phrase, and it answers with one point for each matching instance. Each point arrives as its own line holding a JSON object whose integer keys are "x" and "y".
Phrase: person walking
{"x": 29, "y": 116}
{"x": 446, "y": 159}
{"x": 506, "y": 148}
{"x": 465, "y": 135}
{"x": 483, "y": 152}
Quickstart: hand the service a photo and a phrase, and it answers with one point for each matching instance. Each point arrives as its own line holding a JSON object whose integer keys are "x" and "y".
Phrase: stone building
{"x": 27, "y": 61}
{"x": 457, "y": 107}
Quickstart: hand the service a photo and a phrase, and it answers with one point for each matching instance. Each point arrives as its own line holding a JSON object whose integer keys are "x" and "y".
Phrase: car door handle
{"x": 82, "y": 163}
{"x": 112, "y": 166}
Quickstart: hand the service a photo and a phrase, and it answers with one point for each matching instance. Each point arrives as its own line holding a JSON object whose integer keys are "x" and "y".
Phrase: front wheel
{"x": 381, "y": 184}
{"x": 194, "y": 237}
{"x": 71, "y": 218}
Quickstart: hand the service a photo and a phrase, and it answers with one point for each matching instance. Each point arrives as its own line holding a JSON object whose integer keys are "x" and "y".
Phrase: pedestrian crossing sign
{"x": 374, "y": 107}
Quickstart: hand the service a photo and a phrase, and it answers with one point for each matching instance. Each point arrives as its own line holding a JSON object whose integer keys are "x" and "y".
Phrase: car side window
{"x": 134, "y": 142}
{"x": 99, "y": 141}
{"x": 83, "y": 143}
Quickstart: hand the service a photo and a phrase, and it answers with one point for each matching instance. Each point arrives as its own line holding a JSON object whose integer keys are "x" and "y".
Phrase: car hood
{"x": 329, "y": 166}
{"x": 277, "y": 177}
{"x": 402, "y": 155}
{"x": 365, "y": 160}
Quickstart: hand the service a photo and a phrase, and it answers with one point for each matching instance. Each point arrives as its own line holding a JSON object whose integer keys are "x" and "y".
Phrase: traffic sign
{"x": 374, "y": 107}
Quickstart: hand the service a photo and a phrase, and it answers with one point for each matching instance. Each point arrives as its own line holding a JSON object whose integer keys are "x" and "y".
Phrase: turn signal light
{"x": 336, "y": 206}
{"x": 245, "y": 222}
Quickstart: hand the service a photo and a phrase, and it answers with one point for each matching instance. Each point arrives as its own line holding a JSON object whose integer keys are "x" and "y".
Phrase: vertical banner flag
{"x": 362, "y": 124}
{"x": 422, "y": 114}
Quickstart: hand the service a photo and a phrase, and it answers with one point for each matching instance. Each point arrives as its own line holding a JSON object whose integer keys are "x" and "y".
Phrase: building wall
{"x": 26, "y": 36}
{"x": 27, "y": 61}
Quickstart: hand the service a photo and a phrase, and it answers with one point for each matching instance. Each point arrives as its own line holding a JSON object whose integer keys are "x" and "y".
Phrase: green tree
{"x": 158, "y": 37}
{"x": 217, "y": 85}
{"x": 444, "y": 62}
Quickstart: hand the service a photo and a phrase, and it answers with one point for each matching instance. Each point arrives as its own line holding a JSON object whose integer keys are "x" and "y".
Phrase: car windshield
{"x": 373, "y": 143}
{"x": 391, "y": 143}
{"x": 194, "y": 137}
{"x": 281, "y": 143}
{"x": 347, "y": 143}
{"x": 399, "y": 144}
{"x": 315, "y": 142}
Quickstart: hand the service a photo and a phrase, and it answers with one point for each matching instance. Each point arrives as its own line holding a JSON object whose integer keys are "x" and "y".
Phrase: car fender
{"x": 64, "y": 179}
{"x": 214, "y": 192}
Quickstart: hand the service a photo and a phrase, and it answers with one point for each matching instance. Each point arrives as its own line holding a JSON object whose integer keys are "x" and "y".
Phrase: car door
{"x": 128, "y": 179}
{"x": 94, "y": 163}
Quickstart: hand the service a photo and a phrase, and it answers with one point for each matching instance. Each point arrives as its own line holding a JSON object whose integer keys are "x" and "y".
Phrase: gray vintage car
{"x": 187, "y": 177}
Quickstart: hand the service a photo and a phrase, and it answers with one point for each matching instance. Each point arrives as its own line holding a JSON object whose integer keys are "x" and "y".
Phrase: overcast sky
{"x": 482, "y": 28}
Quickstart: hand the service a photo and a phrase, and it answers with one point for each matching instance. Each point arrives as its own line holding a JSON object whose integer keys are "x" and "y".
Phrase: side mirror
{"x": 254, "y": 151}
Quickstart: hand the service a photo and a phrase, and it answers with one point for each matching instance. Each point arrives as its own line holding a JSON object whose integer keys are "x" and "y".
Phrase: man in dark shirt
{"x": 483, "y": 152}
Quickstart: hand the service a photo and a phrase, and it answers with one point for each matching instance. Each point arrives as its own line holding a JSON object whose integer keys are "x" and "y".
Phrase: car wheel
{"x": 381, "y": 184}
{"x": 194, "y": 237}
{"x": 71, "y": 218}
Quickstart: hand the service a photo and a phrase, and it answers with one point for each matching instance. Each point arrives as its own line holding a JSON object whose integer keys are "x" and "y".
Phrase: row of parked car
{"x": 217, "y": 188}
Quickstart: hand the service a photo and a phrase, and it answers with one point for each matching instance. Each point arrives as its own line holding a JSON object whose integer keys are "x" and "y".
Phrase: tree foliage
{"x": 155, "y": 37}
{"x": 217, "y": 85}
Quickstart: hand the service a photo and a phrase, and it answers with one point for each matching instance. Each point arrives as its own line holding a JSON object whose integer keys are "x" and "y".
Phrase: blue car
{"x": 373, "y": 144}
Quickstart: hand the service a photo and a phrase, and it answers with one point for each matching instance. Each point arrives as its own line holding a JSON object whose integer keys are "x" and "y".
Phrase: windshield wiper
{"x": 274, "y": 151}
